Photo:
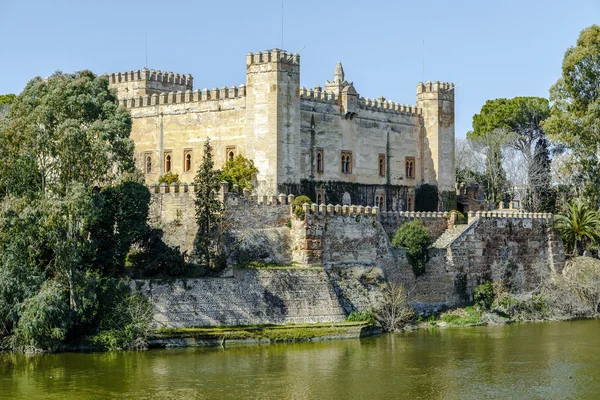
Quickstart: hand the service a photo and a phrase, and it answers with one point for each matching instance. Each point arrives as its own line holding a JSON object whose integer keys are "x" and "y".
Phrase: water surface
{"x": 547, "y": 360}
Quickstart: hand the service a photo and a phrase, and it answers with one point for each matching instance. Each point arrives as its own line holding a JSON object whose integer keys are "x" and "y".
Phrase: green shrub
{"x": 45, "y": 318}
{"x": 484, "y": 296}
{"x": 297, "y": 206}
{"x": 414, "y": 237}
{"x": 169, "y": 178}
{"x": 462, "y": 317}
{"x": 239, "y": 171}
{"x": 461, "y": 218}
{"x": 360, "y": 316}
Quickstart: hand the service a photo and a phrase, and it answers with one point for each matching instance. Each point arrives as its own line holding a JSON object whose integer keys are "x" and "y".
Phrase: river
{"x": 543, "y": 360}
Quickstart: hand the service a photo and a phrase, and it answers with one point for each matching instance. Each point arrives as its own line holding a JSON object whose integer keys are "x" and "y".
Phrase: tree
{"x": 239, "y": 171}
{"x": 208, "y": 211}
{"x": 579, "y": 226}
{"x": 540, "y": 197}
{"x": 491, "y": 145}
{"x": 520, "y": 118}
{"x": 62, "y": 240}
{"x": 7, "y": 99}
{"x": 414, "y": 237}
{"x": 62, "y": 130}
{"x": 574, "y": 121}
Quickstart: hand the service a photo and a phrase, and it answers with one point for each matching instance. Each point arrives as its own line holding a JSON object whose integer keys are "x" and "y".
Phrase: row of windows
{"x": 187, "y": 159}
{"x": 346, "y": 164}
{"x": 379, "y": 201}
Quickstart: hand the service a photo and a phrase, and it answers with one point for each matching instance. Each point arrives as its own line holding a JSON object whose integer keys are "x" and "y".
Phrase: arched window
{"x": 168, "y": 163}
{"x": 230, "y": 156}
{"x": 319, "y": 199}
{"x": 382, "y": 165}
{"x": 346, "y": 162}
{"x": 410, "y": 167}
{"x": 410, "y": 204}
{"x": 188, "y": 162}
{"x": 148, "y": 163}
{"x": 319, "y": 161}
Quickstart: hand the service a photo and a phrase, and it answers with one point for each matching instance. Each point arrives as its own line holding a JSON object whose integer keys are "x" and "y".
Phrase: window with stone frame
{"x": 320, "y": 196}
{"x": 410, "y": 204}
{"x": 320, "y": 161}
{"x": 187, "y": 160}
{"x": 410, "y": 167}
{"x": 346, "y": 162}
{"x": 380, "y": 201}
{"x": 168, "y": 161}
{"x": 230, "y": 153}
{"x": 148, "y": 162}
{"x": 381, "y": 165}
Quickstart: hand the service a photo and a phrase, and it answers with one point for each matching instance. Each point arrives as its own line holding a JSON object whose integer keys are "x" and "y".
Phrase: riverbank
{"x": 259, "y": 334}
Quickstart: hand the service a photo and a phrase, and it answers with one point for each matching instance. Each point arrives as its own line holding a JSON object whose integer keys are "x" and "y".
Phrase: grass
{"x": 462, "y": 317}
{"x": 272, "y": 333}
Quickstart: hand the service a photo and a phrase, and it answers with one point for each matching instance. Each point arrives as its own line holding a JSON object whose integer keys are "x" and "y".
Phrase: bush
{"x": 127, "y": 325}
{"x": 414, "y": 237}
{"x": 394, "y": 312}
{"x": 297, "y": 206}
{"x": 45, "y": 318}
{"x": 484, "y": 296}
{"x": 239, "y": 171}
{"x": 461, "y": 218}
{"x": 362, "y": 316}
{"x": 169, "y": 179}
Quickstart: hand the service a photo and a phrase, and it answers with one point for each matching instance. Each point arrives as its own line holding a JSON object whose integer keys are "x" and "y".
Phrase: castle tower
{"x": 148, "y": 82}
{"x": 338, "y": 83}
{"x": 436, "y": 102}
{"x": 273, "y": 117}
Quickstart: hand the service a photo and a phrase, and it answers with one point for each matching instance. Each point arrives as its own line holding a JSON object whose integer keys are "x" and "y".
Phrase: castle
{"x": 329, "y": 143}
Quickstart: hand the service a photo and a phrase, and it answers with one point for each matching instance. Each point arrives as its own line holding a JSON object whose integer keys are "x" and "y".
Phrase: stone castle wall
{"x": 353, "y": 246}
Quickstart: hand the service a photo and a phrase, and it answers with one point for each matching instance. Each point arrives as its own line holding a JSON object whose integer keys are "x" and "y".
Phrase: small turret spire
{"x": 338, "y": 77}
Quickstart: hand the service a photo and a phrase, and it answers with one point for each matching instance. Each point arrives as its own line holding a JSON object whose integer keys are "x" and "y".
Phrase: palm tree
{"x": 579, "y": 226}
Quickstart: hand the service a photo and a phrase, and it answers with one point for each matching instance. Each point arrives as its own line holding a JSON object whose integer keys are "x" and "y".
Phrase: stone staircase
{"x": 450, "y": 235}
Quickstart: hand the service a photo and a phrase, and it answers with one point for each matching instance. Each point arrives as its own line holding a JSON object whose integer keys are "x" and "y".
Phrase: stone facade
{"x": 331, "y": 143}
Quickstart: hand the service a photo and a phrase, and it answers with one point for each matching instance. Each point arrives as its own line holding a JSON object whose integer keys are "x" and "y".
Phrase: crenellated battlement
{"x": 388, "y": 106}
{"x": 224, "y": 93}
{"x": 275, "y": 55}
{"x": 435, "y": 87}
{"x": 151, "y": 75}
{"x": 381, "y": 105}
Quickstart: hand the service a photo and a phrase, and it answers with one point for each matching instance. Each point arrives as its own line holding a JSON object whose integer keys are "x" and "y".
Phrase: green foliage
{"x": 426, "y": 197}
{"x": 208, "y": 212}
{"x": 414, "y": 237}
{"x": 7, "y": 99}
{"x": 575, "y": 116}
{"x": 126, "y": 325}
{"x": 448, "y": 200}
{"x": 461, "y": 219}
{"x": 540, "y": 197}
{"x": 579, "y": 226}
{"x": 63, "y": 130}
{"x": 45, "y": 318}
{"x": 484, "y": 296}
{"x": 153, "y": 258}
{"x": 462, "y": 317}
{"x": 297, "y": 206}
{"x": 239, "y": 171}
{"x": 169, "y": 179}
{"x": 360, "y": 316}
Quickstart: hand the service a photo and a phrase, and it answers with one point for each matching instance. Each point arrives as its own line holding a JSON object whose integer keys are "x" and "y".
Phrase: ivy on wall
{"x": 426, "y": 197}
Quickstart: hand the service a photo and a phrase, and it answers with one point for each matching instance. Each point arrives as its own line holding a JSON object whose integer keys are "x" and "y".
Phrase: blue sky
{"x": 490, "y": 49}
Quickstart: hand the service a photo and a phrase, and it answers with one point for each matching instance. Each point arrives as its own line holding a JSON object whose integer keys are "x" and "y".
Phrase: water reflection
{"x": 551, "y": 360}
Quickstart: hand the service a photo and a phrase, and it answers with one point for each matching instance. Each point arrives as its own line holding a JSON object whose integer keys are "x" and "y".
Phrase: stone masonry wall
{"x": 264, "y": 296}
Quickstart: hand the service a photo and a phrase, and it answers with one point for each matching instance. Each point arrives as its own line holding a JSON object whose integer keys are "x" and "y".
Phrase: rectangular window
{"x": 381, "y": 165}
{"x": 409, "y": 167}
{"x": 168, "y": 161}
{"x": 187, "y": 160}
{"x": 346, "y": 162}
{"x": 320, "y": 161}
